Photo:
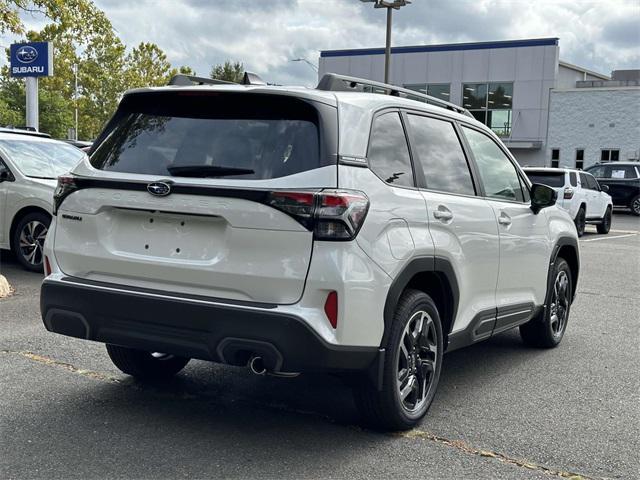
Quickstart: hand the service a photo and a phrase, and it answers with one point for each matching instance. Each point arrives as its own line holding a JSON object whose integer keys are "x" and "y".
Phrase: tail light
{"x": 66, "y": 186}
{"x": 331, "y": 308}
{"x": 333, "y": 215}
{"x": 568, "y": 193}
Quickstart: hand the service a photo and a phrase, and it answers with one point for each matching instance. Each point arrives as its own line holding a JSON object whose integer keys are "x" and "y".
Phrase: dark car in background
{"x": 623, "y": 180}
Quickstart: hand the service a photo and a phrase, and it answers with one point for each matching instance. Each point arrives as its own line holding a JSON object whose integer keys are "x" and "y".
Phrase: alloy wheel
{"x": 417, "y": 361}
{"x": 559, "y": 308}
{"x": 32, "y": 239}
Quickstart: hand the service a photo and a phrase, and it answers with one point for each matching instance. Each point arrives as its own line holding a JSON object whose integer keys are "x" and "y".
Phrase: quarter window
{"x": 388, "y": 151}
{"x": 573, "y": 179}
{"x": 441, "y": 156}
{"x": 499, "y": 176}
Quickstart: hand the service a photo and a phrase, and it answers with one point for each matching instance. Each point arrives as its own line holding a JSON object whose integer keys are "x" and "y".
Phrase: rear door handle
{"x": 504, "y": 219}
{"x": 443, "y": 213}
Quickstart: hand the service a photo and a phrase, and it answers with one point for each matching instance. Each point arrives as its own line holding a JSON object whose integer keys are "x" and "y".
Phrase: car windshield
{"x": 40, "y": 159}
{"x": 552, "y": 179}
{"x": 232, "y": 136}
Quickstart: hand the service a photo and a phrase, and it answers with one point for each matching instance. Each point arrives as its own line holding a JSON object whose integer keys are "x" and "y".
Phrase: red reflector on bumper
{"x": 331, "y": 308}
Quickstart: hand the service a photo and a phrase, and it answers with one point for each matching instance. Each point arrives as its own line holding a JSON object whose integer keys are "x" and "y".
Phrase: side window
{"x": 4, "y": 170}
{"x": 588, "y": 182}
{"x": 389, "y": 152}
{"x": 499, "y": 176}
{"x": 598, "y": 172}
{"x": 573, "y": 179}
{"x": 623, "y": 171}
{"x": 441, "y": 156}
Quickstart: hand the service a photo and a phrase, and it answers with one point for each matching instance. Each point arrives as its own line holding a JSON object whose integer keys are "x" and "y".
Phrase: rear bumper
{"x": 193, "y": 327}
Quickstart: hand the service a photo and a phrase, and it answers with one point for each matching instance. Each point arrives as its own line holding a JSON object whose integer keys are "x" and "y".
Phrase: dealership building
{"x": 547, "y": 111}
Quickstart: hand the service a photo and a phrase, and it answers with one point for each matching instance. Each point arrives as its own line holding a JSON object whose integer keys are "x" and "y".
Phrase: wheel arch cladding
{"x": 567, "y": 248}
{"x": 20, "y": 214}
{"x": 435, "y": 277}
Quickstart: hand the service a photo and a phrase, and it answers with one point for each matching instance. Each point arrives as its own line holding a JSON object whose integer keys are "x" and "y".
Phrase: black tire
{"x": 543, "y": 331}
{"x": 384, "y": 409}
{"x": 581, "y": 221}
{"x": 145, "y": 365}
{"x": 28, "y": 240}
{"x": 605, "y": 224}
{"x": 634, "y": 205}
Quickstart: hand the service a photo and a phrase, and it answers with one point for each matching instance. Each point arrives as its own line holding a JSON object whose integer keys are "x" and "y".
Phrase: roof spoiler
{"x": 341, "y": 83}
{"x": 190, "y": 80}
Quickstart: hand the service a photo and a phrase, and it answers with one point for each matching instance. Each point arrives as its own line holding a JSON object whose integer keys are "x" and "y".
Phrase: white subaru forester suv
{"x": 296, "y": 230}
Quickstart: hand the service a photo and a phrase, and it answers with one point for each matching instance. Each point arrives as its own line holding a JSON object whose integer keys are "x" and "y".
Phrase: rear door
{"x": 181, "y": 191}
{"x": 462, "y": 225}
{"x": 591, "y": 194}
{"x": 525, "y": 249}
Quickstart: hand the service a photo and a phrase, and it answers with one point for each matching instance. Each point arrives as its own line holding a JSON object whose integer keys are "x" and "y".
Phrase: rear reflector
{"x": 331, "y": 308}
{"x": 47, "y": 266}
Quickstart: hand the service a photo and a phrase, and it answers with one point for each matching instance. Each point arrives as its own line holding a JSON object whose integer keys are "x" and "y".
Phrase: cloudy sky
{"x": 267, "y": 34}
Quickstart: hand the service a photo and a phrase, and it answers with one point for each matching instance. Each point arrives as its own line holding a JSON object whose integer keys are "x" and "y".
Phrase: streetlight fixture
{"x": 390, "y": 6}
{"x": 315, "y": 68}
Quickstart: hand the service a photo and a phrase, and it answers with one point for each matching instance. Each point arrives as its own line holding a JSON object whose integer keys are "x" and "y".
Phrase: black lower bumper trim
{"x": 220, "y": 333}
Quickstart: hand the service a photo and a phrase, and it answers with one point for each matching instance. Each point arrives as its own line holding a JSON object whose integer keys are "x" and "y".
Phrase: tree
{"x": 84, "y": 37}
{"x": 147, "y": 65}
{"x": 230, "y": 72}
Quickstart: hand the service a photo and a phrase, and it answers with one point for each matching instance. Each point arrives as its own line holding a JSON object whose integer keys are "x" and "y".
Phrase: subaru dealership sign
{"x": 33, "y": 59}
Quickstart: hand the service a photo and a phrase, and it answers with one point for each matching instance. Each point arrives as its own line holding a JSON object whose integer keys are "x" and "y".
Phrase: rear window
{"x": 42, "y": 159}
{"x": 212, "y": 135}
{"x": 552, "y": 179}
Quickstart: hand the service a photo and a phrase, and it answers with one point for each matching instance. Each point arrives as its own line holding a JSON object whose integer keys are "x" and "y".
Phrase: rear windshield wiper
{"x": 205, "y": 171}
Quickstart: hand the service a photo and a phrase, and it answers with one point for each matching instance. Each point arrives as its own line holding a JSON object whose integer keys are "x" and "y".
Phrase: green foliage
{"x": 82, "y": 35}
{"x": 231, "y": 72}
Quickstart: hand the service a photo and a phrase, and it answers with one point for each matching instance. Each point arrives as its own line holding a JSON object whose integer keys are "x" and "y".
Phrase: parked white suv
{"x": 296, "y": 230}
{"x": 579, "y": 193}
{"x": 30, "y": 163}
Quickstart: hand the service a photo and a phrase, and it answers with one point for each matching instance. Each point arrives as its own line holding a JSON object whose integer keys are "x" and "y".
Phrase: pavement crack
{"x": 65, "y": 366}
{"x": 501, "y": 457}
{"x": 411, "y": 434}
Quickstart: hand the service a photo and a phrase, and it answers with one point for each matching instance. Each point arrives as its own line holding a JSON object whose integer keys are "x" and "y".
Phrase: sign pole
{"x": 32, "y": 102}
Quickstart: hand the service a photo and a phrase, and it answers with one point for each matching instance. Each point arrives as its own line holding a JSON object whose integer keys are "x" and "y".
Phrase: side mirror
{"x": 542, "y": 196}
{"x": 604, "y": 188}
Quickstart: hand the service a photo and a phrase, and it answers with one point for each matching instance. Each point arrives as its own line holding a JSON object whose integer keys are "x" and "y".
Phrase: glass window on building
{"x": 438, "y": 90}
{"x": 609, "y": 155}
{"x": 491, "y": 104}
{"x": 555, "y": 157}
{"x": 579, "y": 158}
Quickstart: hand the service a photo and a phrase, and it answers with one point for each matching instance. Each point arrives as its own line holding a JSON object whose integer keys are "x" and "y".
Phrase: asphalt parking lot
{"x": 502, "y": 410}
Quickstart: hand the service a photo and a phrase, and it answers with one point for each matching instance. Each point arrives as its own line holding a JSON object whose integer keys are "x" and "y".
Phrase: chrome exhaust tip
{"x": 256, "y": 365}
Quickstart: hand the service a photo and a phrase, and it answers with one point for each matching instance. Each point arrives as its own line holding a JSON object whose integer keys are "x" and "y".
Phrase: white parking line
{"x": 609, "y": 238}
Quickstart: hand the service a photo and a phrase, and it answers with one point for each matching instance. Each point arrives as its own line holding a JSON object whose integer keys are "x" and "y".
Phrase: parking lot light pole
{"x": 390, "y": 6}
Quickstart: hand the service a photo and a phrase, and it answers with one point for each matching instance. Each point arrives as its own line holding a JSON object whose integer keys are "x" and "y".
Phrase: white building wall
{"x": 531, "y": 69}
{"x": 594, "y": 119}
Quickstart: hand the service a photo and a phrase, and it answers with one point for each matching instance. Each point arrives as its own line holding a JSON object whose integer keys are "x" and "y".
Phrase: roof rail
{"x": 343, "y": 83}
{"x": 24, "y": 131}
{"x": 187, "y": 80}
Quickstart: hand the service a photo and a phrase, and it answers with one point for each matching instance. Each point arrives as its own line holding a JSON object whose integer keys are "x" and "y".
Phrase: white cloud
{"x": 267, "y": 34}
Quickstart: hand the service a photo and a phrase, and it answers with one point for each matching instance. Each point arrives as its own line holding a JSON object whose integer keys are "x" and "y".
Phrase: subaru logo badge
{"x": 159, "y": 189}
{"x": 26, "y": 54}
